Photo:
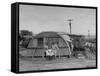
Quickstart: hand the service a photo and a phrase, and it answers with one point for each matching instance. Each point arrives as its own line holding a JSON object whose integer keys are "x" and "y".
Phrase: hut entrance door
{"x": 40, "y": 42}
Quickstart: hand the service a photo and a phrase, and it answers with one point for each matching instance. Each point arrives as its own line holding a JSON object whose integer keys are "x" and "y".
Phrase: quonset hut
{"x": 60, "y": 38}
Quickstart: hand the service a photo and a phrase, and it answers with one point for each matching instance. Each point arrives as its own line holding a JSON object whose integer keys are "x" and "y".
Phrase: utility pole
{"x": 88, "y": 33}
{"x": 70, "y": 23}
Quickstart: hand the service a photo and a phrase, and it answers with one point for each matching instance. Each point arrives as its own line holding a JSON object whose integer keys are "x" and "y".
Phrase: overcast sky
{"x": 46, "y": 18}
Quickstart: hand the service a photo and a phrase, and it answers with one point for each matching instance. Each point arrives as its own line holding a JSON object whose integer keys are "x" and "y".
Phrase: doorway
{"x": 40, "y": 42}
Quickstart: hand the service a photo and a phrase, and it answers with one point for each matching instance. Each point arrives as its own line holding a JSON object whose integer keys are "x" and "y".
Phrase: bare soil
{"x": 31, "y": 64}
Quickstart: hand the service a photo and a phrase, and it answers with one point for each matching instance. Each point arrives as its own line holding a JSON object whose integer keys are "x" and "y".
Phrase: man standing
{"x": 46, "y": 48}
{"x": 55, "y": 48}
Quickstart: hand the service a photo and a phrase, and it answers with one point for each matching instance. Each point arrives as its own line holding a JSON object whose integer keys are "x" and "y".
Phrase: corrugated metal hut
{"x": 60, "y": 38}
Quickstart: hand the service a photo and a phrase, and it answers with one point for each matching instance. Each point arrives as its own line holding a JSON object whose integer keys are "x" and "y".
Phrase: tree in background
{"x": 24, "y": 37}
{"x": 26, "y": 33}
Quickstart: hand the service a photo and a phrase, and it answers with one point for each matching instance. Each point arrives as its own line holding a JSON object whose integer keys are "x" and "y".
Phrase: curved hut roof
{"x": 63, "y": 35}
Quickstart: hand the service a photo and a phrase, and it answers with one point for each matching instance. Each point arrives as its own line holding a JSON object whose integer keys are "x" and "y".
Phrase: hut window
{"x": 40, "y": 42}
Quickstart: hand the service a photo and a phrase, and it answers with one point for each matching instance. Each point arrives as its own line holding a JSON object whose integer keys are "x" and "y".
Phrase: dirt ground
{"x": 29, "y": 64}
